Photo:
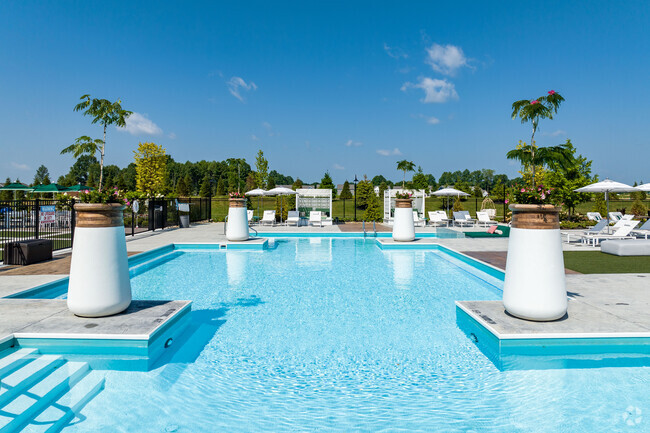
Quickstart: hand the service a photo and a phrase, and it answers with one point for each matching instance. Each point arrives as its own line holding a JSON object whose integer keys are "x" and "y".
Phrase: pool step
{"x": 43, "y": 393}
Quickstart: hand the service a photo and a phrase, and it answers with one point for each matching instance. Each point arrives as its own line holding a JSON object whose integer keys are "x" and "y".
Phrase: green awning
{"x": 52, "y": 187}
{"x": 16, "y": 187}
{"x": 79, "y": 187}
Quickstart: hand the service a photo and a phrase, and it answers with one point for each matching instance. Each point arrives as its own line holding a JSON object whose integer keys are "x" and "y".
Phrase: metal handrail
{"x": 374, "y": 230}
{"x": 363, "y": 224}
{"x": 251, "y": 227}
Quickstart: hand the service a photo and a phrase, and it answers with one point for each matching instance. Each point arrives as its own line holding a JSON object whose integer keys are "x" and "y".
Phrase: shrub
{"x": 638, "y": 208}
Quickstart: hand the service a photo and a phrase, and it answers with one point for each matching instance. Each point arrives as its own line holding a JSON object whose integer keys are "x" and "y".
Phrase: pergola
{"x": 308, "y": 200}
{"x": 418, "y": 197}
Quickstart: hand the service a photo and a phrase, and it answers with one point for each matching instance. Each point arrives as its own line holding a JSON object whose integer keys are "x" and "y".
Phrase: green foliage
{"x": 566, "y": 178}
{"x": 42, "y": 176}
{"x": 477, "y": 191}
{"x": 221, "y": 187}
{"x": 261, "y": 170}
{"x": 458, "y": 205}
{"x": 638, "y": 208}
{"x": 64, "y": 202}
{"x": 271, "y": 183}
{"x": 539, "y": 195}
{"x": 377, "y": 180}
{"x": 346, "y": 194}
{"x": 405, "y": 166}
{"x": 151, "y": 169}
{"x": 420, "y": 180}
{"x": 533, "y": 158}
{"x": 297, "y": 184}
{"x": 182, "y": 189}
{"x": 382, "y": 188}
{"x": 364, "y": 191}
{"x": 327, "y": 183}
{"x": 463, "y": 186}
{"x": 279, "y": 179}
{"x": 206, "y": 189}
{"x": 105, "y": 196}
{"x": 373, "y": 210}
{"x": 282, "y": 207}
{"x": 6, "y": 195}
{"x": 600, "y": 205}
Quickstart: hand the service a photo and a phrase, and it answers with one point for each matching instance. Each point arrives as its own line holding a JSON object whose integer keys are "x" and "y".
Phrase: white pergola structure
{"x": 418, "y": 197}
{"x": 308, "y": 200}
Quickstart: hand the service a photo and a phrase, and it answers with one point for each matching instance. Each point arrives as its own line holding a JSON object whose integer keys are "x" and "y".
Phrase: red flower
{"x": 534, "y": 102}
{"x": 552, "y": 92}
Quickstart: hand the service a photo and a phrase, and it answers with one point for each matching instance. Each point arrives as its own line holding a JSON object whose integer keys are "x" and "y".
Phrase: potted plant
{"x": 237, "y": 223}
{"x": 534, "y": 286}
{"x": 403, "y": 227}
{"x": 99, "y": 271}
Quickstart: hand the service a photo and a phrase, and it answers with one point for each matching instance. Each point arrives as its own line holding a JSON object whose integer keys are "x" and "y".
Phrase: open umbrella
{"x": 80, "y": 187}
{"x": 257, "y": 192}
{"x": 607, "y": 186}
{"x": 449, "y": 192}
{"x": 50, "y": 188}
{"x": 280, "y": 190}
{"x": 644, "y": 187}
{"x": 16, "y": 186}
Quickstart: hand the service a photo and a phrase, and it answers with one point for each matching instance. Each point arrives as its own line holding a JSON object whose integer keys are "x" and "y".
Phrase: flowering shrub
{"x": 527, "y": 195}
{"x": 236, "y": 195}
{"x": 105, "y": 196}
{"x": 64, "y": 201}
{"x": 403, "y": 195}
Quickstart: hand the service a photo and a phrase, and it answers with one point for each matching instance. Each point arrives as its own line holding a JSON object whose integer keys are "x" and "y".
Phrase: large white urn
{"x": 403, "y": 227}
{"x": 237, "y": 227}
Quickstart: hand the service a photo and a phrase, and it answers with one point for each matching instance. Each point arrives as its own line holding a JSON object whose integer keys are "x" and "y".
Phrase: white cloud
{"x": 137, "y": 124}
{"x": 237, "y": 84}
{"x": 172, "y": 136}
{"x": 19, "y": 166}
{"x": 385, "y": 152}
{"x": 555, "y": 133}
{"x": 435, "y": 90}
{"x": 269, "y": 128}
{"x": 338, "y": 167}
{"x": 446, "y": 59}
{"x": 352, "y": 143}
{"x": 395, "y": 53}
{"x": 254, "y": 137}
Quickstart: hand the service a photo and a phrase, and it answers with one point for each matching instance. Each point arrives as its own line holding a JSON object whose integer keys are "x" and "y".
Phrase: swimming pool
{"x": 336, "y": 334}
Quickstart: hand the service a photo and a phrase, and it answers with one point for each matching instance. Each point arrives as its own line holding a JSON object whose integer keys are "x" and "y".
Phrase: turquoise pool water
{"x": 337, "y": 335}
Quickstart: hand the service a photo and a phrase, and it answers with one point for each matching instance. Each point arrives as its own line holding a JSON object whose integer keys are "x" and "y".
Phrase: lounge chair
{"x": 268, "y": 218}
{"x": 316, "y": 217}
{"x": 594, "y": 216}
{"x": 595, "y": 230}
{"x": 503, "y": 229}
{"x": 463, "y": 218}
{"x": 249, "y": 214}
{"x": 484, "y": 219}
{"x": 622, "y": 233}
{"x": 615, "y": 216}
{"x": 293, "y": 217}
{"x": 435, "y": 218}
{"x": 417, "y": 221}
{"x": 644, "y": 230}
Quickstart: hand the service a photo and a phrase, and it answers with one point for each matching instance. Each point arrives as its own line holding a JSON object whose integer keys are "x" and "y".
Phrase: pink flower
{"x": 543, "y": 196}
{"x": 86, "y": 192}
{"x": 523, "y": 190}
{"x": 507, "y": 201}
{"x": 552, "y": 92}
{"x": 548, "y": 191}
{"x": 534, "y": 102}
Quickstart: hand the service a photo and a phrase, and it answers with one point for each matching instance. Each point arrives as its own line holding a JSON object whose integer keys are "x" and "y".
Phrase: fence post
{"x": 73, "y": 223}
{"x": 210, "y": 207}
{"x": 37, "y": 215}
{"x": 132, "y": 222}
{"x": 504, "y": 203}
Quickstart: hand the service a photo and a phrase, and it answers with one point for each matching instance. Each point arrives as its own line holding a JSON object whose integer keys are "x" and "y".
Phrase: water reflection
{"x": 236, "y": 267}
{"x": 315, "y": 253}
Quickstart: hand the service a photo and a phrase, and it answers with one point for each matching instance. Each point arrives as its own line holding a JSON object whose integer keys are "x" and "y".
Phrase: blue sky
{"x": 349, "y": 87}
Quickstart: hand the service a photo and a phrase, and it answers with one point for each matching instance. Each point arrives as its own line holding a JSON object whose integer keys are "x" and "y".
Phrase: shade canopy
{"x": 256, "y": 192}
{"x": 280, "y": 190}
{"x": 607, "y": 185}
{"x": 449, "y": 192}
{"x": 52, "y": 187}
{"x": 80, "y": 187}
{"x": 16, "y": 187}
{"x": 644, "y": 187}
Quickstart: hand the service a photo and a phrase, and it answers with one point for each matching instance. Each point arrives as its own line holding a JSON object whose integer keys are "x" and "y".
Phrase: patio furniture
{"x": 644, "y": 230}
{"x": 463, "y": 218}
{"x": 615, "y": 216}
{"x": 293, "y": 217}
{"x": 268, "y": 218}
{"x": 417, "y": 221}
{"x": 505, "y": 232}
{"x": 594, "y": 216}
{"x": 628, "y": 247}
{"x": 622, "y": 233}
{"x": 436, "y": 219}
{"x": 316, "y": 217}
{"x": 27, "y": 252}
{"x": 484, "y": 219}
{"x": 597, "y": 229}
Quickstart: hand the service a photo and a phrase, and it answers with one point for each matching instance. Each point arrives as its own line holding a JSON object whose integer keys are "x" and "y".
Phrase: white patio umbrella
{"x": 257, "y": 192}
{"x": 607, "y": 186}
{"x": 280, "y": 190}
{"x": 644, "y": 187}
{"x": 449, "y": 192}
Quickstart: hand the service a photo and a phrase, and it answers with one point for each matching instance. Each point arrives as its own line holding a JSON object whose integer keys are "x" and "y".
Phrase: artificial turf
{"x": 595, "y": 262}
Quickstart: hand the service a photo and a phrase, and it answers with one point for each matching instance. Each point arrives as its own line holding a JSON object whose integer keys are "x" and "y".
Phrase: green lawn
{"x": 595, "y": 262}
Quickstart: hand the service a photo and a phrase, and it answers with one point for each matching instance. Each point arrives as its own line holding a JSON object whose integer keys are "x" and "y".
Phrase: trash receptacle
{"x": 185, "y": 221}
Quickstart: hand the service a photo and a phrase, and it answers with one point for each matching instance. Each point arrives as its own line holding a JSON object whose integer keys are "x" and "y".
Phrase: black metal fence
{"x": 48, "y": 219}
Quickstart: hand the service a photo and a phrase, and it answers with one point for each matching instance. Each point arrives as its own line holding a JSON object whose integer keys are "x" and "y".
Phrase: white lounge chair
{"x": 293, "y": 217}
{"x": 249, "y": 214}
{"x": 644, "y": 230}
{"x": 268, "y": 218}
{"x": 463, "y": 218}
{"x": 595, "y": 230}
{"x": 436, "y": 219}
{"x": 594, "y": 216}
{"x": 316, "y": 217}
{"x": 615, "y": 216}
{"x": 417, "y": 221}
{"x": 484, "y": 219}
{"x": 622, "y": 233}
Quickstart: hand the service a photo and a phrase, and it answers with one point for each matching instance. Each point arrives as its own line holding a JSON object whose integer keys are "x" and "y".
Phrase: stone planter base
{"x": 403, "y": 227}
{"x": 99, "y": 271}
{"x": 237, "y": 228}
{"x": 534, "y": 286}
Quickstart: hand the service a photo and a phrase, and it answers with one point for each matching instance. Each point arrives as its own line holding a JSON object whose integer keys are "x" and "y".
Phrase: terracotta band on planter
{"x": 237, "y": 202}
{"x": 94, "y": 215}
{"x": 403, "y": 202}
{"x": 535, "y": 216}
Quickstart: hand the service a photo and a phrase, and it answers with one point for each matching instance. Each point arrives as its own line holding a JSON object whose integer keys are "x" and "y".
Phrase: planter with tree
{"x": 237, "y": 225}
{"x": 403, "y": 226}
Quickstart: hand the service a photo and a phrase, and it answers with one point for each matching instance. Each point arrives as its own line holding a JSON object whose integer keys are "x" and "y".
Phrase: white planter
{"x": 237, "y": 228}
{"x": 99, "y": 271}
{"x": 403, "y": 227}
{"x": 535, "y": 286}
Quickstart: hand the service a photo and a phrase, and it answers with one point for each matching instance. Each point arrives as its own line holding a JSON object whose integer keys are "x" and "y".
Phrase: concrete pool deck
{"x": 600, "y": 305}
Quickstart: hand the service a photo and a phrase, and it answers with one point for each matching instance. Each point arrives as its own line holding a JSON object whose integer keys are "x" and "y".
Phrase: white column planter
{"x": 403, "y": 227}
{"x": 237, "y": 228}
{"x": 99, "y": 271}
{"x": 534, "y": 286}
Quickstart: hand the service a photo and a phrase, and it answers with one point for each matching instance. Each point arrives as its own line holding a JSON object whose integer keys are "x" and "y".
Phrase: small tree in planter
{"x": 99, "y": 270}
